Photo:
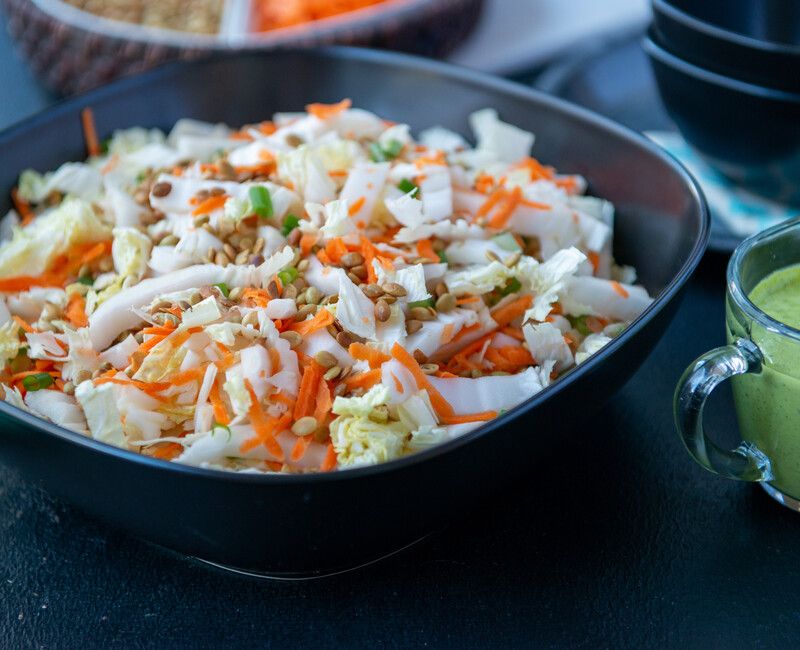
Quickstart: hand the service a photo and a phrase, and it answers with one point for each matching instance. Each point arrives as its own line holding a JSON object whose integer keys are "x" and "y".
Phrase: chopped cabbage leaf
{"x": 32, "y": 249}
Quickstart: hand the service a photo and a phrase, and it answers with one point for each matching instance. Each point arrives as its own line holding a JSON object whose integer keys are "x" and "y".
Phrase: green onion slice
{"x": 38, "y": 381}
{"x": 261, "y": 201}
{"x": 290, "y": 222}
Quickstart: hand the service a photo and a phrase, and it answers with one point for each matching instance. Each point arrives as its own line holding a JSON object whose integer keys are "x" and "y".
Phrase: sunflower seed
{"x": 413, "y": 326}
{"x": 394, "y": 289}
{"x": 421, "y": 313}
{"x": 382, "y": 311}
{"x": 332, "y": 373}
{"x": 372, "y": 291}
{"x": 350, "y": 260}
{"x": 294, "y": 338}
{"x": 325, "y": 359}
{"x": 446, "y": 302}
{"x": 304, "y": 426}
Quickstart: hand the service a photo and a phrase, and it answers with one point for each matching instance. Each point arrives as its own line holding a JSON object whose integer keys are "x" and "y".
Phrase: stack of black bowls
{"x": 729, "y": 75}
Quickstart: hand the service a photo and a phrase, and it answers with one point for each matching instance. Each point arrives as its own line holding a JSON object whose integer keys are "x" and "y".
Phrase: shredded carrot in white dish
{"x": 316, "y": 292}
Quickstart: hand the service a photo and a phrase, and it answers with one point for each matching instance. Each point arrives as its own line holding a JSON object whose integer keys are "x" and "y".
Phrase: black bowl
{"x": 754, "y": 41}
{"x": 286, "y": 524}
{"x": 749, "y": 133}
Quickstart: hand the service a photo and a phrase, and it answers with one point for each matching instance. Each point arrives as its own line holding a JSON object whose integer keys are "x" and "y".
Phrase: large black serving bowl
{"x": 749, "y": 133}
{"x": 301, "y": 525}
{"x": 751, "y": 40}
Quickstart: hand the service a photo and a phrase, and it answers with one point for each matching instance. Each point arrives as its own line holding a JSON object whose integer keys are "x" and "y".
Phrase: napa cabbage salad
{"x": 320, "y": 291}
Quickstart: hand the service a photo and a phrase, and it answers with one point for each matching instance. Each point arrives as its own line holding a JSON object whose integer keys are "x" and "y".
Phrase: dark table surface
{"x": 619, "y": 539}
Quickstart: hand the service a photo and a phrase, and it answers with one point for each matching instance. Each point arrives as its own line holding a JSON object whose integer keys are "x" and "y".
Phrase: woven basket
{"x": 73, "y": 51}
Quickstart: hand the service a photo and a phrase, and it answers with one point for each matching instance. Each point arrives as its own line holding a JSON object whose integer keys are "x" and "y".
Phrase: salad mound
{"x": 315, "y": 292}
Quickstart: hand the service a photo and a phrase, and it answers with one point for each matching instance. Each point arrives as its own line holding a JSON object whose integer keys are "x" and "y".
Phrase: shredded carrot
{"x": 335, "y": 248}
{"x": 307, "y": 242}
{"x": 476, "y": 345}
{"x": 398, "y": 384}
{"x": 484, "y": 183}
{"x": 494, "y": 198}
{"x": 513, "y": 332}
{"x": 325, "y": 111}
{"x": 210, "y": 204}
{"x": 537, "y": 170}
{"x": 300, "y": 447}
{"x": 322, "y": 319}
{"x": 257, "y": 297}
{"x": 503, "y": 214}
{"x": 505, "y": 314}
{"x": 22, "y": 207}
{"x": 324, "y": 403}
{"x": 330, "y": 459}
{"x": 322, "y": 256}
{"x": 185, "y": 376}
{"x": 362, "y": 352}
{"x": 535, "y": 205}
{"x": 275, "y": 360}
{"x": 440, "y": 404}
{"x": 90, "y": 132}
{"x": 165, "y": 450}
{"x": 25, "y": 282}
{"x": 425, "y": 250}
{"x": 26, "y": 327}
{"x": 594, "y": 260}
{"x": 467, "y": 300}
{"x": 152, "y": 389}
{"x": 265, "y": 427}
{"x": 220, "y": 412}
{"x": 364, "y": 379}
{"x": 484, "y": 416}
{"x": 619, "y": 289}
{"x": 464, "y": 332}
{"x": 76, "y": 310}
{"x": 447, "y": 334}
{"x": 356, "y": 207}
{"x": 369, "y": 252}
{"x": 308, "y": 390}
{"x": 94, "y": 251}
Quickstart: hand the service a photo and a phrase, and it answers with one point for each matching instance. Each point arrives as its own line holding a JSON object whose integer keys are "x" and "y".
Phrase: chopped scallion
{"x": 407, "y": 186}
{"x": 223, "y": 288}
{"x": 512, "y": 286}
{"x": 380, "y": 153}
{"x": 38, "y": 381}
{"x": 261, "y": 201}
{"x": 288, "y": 275}
{"x": 581, "y": 324}
{"x": 428, "y": 302}
{"x": 290, "y": 222}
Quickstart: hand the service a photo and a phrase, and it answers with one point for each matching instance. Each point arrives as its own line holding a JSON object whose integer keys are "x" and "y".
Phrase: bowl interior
{"x": 773, "y": 21}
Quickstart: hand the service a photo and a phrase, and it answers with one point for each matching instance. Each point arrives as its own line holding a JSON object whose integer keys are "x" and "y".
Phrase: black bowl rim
{"x": 659, "y": 52}
{"x": 715, "y": 31}
{"x": 391, "y": 60}
{"x": 353, "y": 23}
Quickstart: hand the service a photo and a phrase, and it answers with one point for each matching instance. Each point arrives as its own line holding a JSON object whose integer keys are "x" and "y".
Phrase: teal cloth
{"x": 742, "y": 212}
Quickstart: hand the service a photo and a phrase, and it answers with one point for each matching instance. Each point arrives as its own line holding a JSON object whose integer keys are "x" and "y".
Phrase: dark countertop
{"x": 618, "y": 540}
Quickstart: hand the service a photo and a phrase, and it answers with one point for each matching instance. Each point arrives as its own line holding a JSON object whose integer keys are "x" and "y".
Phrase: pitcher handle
{"x": 746, "y": 462}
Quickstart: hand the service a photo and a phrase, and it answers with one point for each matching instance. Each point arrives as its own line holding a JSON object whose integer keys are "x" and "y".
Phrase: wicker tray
{"x": 73, "y": 51}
